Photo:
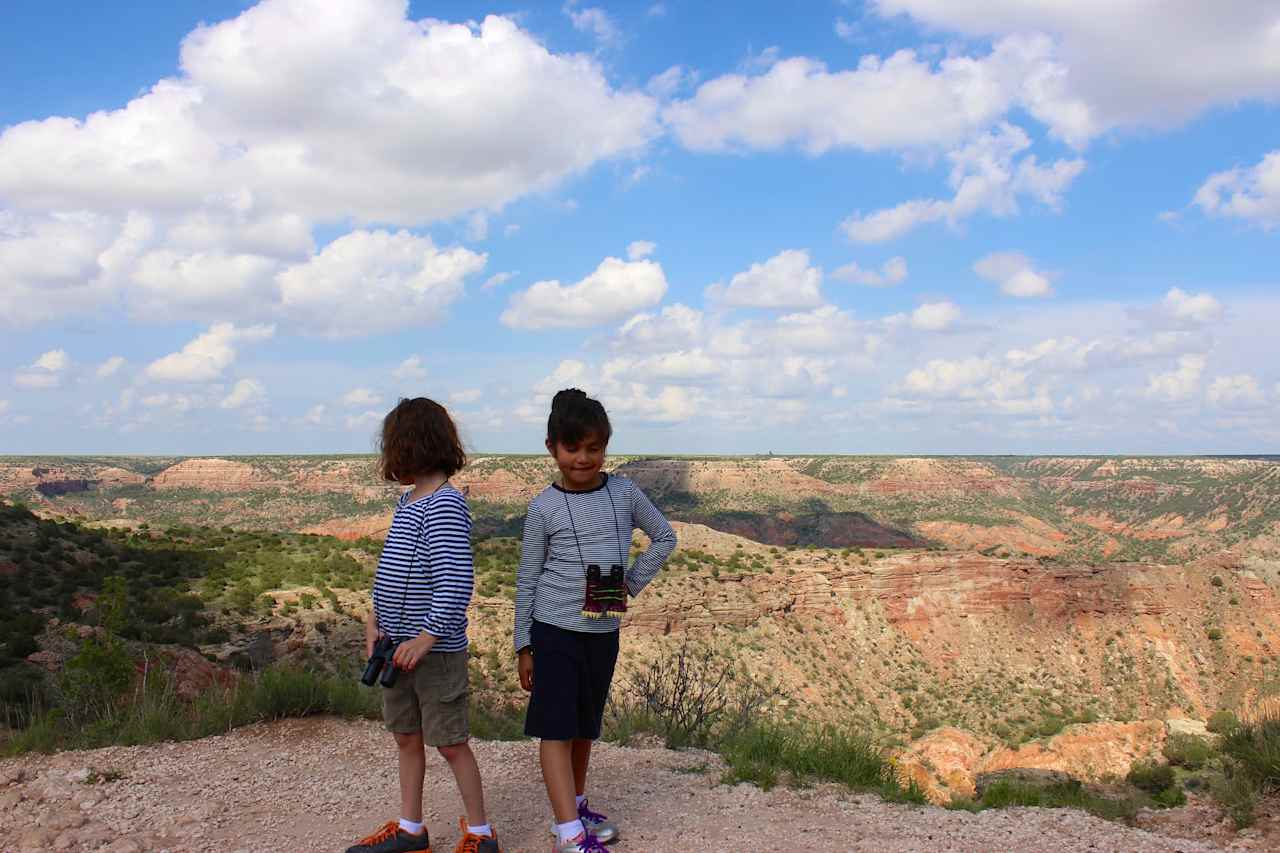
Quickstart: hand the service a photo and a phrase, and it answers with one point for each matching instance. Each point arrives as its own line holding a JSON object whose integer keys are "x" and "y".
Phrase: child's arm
{"x": 662, "y": 541}
{"x": 533, "y": 556}
{"x": 452, "y": 576}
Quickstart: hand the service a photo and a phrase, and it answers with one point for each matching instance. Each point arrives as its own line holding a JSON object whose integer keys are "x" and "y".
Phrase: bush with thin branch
{"x": 696, "y": 696}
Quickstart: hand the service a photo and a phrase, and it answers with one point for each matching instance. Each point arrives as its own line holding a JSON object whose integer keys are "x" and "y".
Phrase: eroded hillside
{"x": 981, "y": 613}
{"x": 1166, "y": 509}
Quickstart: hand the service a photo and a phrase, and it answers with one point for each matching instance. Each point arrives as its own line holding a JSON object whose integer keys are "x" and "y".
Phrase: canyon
{"x": 978, "y": 613}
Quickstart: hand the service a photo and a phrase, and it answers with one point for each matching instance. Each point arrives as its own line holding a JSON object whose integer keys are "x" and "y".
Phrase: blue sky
{"x": 900, "y": 226}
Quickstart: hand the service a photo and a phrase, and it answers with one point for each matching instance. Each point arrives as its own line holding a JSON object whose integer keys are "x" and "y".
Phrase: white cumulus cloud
{"x": 206, "y": 356}
{"x": 902, "y": 101}
{"x": 45, "y": 372}
{"x": 110, "y": 367}
{"x": 497, "y": 280}
{"x": 595, "y": 21}
{"x": 317, "y": 415}
{"x": 189, "y": 200}
{"x": 246, "y": 392}
{"x": 674, "y": 327}
{"x": 787, "y": 280}
{"x": 1179, "y": 384}
{"x": 1251, "y": 194}
{"x": 410, "y": 369}
{"x": 640, "y": 249}
{"x": 1226, "y": 53}
{"x": 616, "y": 289}
{"x": 1190, "y": 310}
{"x": 987, "y": 175}
{"x": 935, "y": 316}
{"x": 892, "y": 272}
{"x": 1239, "y": 391}
{"x": 981, "y": 382}
{"x": 370, "y": 281}
{"x": 1014, "y": 272}
{"x": 357, "y": 397}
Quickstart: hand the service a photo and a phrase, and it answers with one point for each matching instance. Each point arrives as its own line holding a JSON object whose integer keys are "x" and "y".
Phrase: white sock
{"x": 569, "y": 831}
{"x": 581, "y": 798}
{"x": 483, "y": 829}
{"x": 410, "y": 827}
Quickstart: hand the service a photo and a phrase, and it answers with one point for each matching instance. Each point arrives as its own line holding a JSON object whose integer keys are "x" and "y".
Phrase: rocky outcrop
{"x": 943, "y": 763}
{"x": 949, "y": 763}
{"x": 1088, "y": 751}
{"x": 213, "y": 475}
{"x": 1028, "y": 536}
{"x": 354, "y": 527}
{"x": 917, "y": 587}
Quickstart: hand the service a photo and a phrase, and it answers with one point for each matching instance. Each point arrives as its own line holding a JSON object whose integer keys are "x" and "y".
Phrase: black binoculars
{"x": 380, "y": 660}
{"x": 613, "y": 576}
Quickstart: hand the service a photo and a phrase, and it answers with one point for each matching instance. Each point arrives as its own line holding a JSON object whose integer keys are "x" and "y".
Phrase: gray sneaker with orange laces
{"x": 471, "y": 843}
{"x": 392, "y": 839}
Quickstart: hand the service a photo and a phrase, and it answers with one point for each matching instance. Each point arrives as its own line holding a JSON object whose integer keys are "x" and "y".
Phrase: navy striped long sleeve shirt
{"x": 425, "y": 575}
{"x": 563, "y": 531}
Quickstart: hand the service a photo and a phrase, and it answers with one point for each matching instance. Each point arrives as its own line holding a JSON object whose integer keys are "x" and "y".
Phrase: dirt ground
{"x": 319, "y": 784}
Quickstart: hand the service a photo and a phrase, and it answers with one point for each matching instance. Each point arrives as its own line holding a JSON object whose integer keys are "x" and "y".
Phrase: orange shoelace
{"x": 389, "y": 830}
{"x": 470, "y": 843}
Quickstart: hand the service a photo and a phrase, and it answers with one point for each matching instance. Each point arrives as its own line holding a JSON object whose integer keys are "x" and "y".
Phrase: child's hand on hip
{"x": 410, "y": 653}
{"x": 524, "y": 666}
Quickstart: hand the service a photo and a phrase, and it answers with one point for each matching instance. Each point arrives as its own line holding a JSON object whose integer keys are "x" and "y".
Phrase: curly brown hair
{"x": 418, "y": 437}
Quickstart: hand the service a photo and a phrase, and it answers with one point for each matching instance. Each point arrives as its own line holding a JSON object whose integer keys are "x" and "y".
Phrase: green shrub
{"x": 156, "y": 713}
{"x": 93, "y": 681}
{"x": 1151, "y": 777}
{"x": 1050, "y": 726}
{"x": 1252, "y": 767}
{"x": 1214, "y": 633}
{"x": 762, "y": 752}
{"x": 1255, "y": 749}
{"x": 496, "y": 719}
{"x": 1187, "y": 751}
{"x": 1222, "y": 722}
{"x": 1238, "y": 796}
{"x": 1071, "y": 795}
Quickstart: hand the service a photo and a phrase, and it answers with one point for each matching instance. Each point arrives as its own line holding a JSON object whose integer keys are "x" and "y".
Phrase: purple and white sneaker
{"x": 596, "y": 824}
{"x": 584, "y": 843}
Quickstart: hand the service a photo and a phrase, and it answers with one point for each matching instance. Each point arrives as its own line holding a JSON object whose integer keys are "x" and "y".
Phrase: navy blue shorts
{"x": 572, "y": 671}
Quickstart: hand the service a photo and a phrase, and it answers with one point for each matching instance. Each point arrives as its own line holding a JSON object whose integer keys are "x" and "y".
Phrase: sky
{"x": 893, "y": 226}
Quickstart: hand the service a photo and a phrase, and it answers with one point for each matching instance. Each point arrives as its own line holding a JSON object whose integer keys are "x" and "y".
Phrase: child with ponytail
{"x": 571, "y": 590}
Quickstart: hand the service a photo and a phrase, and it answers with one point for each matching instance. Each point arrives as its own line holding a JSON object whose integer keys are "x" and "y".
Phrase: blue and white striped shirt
{"x": 564, "y": 530}
{"x": 425, "y": 574}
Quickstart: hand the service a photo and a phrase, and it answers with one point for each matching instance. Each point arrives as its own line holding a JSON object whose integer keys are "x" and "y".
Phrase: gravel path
{"x": 315, "y": 785}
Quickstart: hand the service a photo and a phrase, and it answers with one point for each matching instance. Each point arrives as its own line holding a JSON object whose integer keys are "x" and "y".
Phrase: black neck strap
{"x": 617, "y": 529}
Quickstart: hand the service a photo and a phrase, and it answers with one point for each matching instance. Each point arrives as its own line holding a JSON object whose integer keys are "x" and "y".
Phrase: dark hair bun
{"x": 574, "y": 416}
{"x": 567, "y": 397}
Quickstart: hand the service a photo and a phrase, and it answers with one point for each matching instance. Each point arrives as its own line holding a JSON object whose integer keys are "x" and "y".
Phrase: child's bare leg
{"x": 413, "y": 764}
{"x": 581, "y": 759}
{"x": 557, "y": 772}
{"x": 462, "y": 761}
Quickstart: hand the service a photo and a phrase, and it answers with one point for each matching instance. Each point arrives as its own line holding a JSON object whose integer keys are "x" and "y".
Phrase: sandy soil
{"x": 319, "y": 784}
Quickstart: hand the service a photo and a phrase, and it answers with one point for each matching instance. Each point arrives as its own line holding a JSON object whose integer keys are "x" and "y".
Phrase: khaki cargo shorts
{"x": 431, "y": 699}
